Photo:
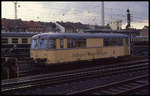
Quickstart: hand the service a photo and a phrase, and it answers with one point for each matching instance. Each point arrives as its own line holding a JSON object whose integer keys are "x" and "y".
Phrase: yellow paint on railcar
{"x": 76, "y": 54}
{"x": 65, "y": 43}
{"x": 92, "y": 42}
{"x": 49, "y": 54}
{"x": 126, "y": 46}
{"x": 57, "y": 43}
{"x": 69, "y": 55}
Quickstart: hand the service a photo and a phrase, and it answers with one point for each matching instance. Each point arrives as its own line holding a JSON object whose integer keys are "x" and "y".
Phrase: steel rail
{"x": 66, "y": 78}
{"x": 103, "y": 89}
{"x": 32, "y": 78}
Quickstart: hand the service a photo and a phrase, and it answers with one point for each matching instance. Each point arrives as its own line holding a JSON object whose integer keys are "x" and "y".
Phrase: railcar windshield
{"x": 34, "y": 44}
{"x": 43, "y": 44}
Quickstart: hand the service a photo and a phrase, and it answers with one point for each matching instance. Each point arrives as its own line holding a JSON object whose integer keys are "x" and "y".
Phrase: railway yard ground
{"x": 128, "y": 75}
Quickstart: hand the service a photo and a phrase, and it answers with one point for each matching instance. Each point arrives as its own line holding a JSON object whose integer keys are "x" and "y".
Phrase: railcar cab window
{"x": 76, "y": 43}
{"x": 43, "y": 44}
{"x": 113, "y": 41}
{"x": 34, "y": 44}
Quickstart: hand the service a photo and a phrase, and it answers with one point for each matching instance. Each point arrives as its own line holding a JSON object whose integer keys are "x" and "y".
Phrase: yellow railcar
{"x": 54, "y": 48}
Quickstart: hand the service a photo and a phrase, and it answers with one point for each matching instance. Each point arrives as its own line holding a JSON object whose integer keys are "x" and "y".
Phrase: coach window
{"x": 24, "y": 40}
{"x": 14, "y": 40}
{"x": 5, "y": 41}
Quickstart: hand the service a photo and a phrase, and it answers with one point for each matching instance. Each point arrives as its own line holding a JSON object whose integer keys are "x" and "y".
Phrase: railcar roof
{"x": 18, "y": 34}
{"x": 78, "y": 35}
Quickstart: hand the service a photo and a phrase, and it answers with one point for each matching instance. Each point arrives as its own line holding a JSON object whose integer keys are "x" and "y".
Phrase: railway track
{"x": 26, "y": 66}
{"x": 116, "y": 88}
{"x": 42, "y": 80}
{"x": 141, "y": 50}
{"x": 28, "y": 69}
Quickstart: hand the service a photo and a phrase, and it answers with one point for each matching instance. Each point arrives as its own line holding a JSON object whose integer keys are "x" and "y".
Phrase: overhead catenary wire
{"x": 77, "y": 11}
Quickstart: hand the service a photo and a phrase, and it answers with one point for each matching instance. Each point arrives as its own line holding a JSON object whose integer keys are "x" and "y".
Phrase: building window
{"x": 4, "y": 41}
{"x": 14, "y": 40}
{"x": 24, "y": 40}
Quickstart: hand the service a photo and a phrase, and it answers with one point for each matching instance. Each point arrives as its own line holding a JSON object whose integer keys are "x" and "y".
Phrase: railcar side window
{"x": 81, "y": 43}
{"x": 113, "y": 41}
{"x": 76, "y": 43}
{"x": 120, "y": 41}
{"x": 15, "y": 40}
{"x": 70, "y": 43}
{"x": 4, "y": 41}
{"x": 51, "y": 44}
{"x": 61, "y": 43}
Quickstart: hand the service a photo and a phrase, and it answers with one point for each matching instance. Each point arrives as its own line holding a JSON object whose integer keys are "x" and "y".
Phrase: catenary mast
{"x": 15, "y": 3}
{"x": 102, "y": 14}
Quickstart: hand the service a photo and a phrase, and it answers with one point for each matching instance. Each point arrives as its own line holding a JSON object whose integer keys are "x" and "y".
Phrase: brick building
{"x": 4, "y": 25}
{"x": 32, "y": 26}
{"x": 13, "y": 25}
{"x": 79, "y": 27}
{"x": 48, "y": 26}
{"x": 68, "y": 26}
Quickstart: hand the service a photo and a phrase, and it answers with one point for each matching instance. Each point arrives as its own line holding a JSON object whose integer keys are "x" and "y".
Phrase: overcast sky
{"x": 84, "y": 12}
